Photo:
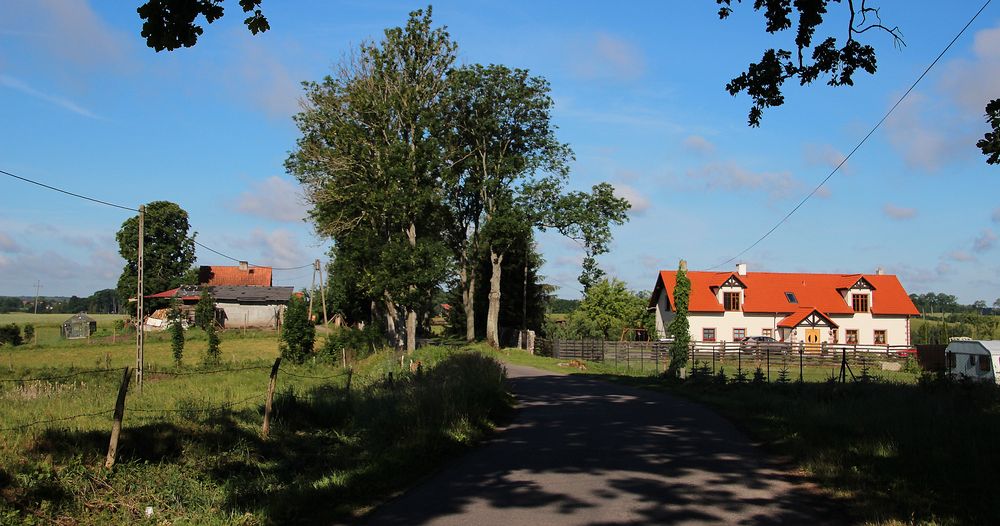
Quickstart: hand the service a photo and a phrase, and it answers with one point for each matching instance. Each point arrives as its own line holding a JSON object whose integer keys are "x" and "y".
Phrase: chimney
{"x": 741, "y": 269}
{"x": 244, "y": 266}
{"x": 683, "y": 265}
{"x": 879, "y": 271}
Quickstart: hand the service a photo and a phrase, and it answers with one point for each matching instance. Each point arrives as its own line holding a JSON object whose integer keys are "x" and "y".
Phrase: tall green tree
{"x": 175, "y": 319}
{"x": 369, "y": 161}
{"x": 171, "y": 24}
{"x": 169, "y": 251}
{"x": 298, "y": 334}
{"x": 204, "y": 310}
{"x": 679, "y": 328}
{"x": 611, "y": 308}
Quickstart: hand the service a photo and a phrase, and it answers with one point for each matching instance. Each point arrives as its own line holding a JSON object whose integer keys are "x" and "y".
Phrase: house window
{"x": 767, "y": 332}
{"x": 708, "y": 335}
{"x": 984, "y": 363}
{"x": 732, "y": 300}
{"x": 860, "y": 303}
{"x": 879, "y": 337}
{"x": 834, "y": 333}
{"x": 790, "y": 296}
{"x": 851, "y": 335}
{"x": 739, "y": 334}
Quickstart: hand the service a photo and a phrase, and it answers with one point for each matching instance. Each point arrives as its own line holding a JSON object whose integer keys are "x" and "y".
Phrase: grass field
{"x": 889, "y": 452}
{"x": 191, "y": 447}
{"x": 48, "y": 327}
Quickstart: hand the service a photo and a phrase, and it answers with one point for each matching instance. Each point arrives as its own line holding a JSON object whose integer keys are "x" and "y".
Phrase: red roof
{"x": 765, "y": 292}
{"x": 225, "y": 275}
{"x": 794, "y": 319}
{"x": 172, "y": 293}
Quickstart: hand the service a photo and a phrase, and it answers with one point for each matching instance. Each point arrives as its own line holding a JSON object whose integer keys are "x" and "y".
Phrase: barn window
{"x": 984, "y": 363}
{"x": 880, "y": 337}
{"x": 860, "y": 303}
{"x": 708, "y": 335}
{"x": 732, "y": 300}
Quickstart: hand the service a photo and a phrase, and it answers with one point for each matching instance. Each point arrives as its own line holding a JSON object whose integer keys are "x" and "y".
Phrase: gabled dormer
{"x": 859, "y": 295}
{"x": 731, "y": 294}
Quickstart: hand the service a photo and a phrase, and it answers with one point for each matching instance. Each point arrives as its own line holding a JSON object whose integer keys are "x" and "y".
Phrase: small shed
{"x": 978, "y": 359}
{"x": 79, "y": 326}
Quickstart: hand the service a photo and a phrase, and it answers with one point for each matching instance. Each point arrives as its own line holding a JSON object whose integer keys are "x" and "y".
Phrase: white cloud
{"x": 825, "y": 155}
{"x": 984, "y": 241}
{"x": 925, "y": 142}
{"x": 608, "y": 57}
{"x": 273, "y": 198}
{"x": 698, "y": 144}
{"x": 260, "y": 76}
{"x": 729, "y": 176}
{"x": 974, "y": 82}
{"x": 69, "y": 30}
{"x": 277, "y": 248}
{"x": 899, "y": 212}
{"x": 56, "y": 100}
{"x": 640, "y": 203}
{"x": 961, "y": 255}
{"x": 7, "y": 244}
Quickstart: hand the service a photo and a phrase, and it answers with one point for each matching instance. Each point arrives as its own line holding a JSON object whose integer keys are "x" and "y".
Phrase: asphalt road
{"x": 583, "y": 451}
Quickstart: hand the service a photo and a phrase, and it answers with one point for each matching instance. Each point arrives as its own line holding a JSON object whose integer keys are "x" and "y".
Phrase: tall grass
{"x": 332, "y": 452}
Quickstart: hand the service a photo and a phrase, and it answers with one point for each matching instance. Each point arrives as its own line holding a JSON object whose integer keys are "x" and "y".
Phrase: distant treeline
{"x": 101, "y": 302}
{"x": 934, "y": 302}
{"x": 562, "y": 306}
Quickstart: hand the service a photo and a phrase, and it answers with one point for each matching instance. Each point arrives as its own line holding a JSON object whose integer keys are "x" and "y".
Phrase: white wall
{"x": 259, "y": 316}
{"x": 896, "y": 327}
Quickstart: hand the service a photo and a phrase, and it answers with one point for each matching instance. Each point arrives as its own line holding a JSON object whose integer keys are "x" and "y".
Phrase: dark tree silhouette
{"x": 170, "y": 24}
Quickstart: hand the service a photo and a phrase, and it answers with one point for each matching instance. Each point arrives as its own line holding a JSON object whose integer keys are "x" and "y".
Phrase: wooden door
{"x": 812, "y": 340}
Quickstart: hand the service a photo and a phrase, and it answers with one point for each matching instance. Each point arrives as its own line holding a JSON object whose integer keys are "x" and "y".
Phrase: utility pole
{"x": 38, "y": 285}
{"x": 140, "y": 322}
{"x": 312, "y": 289}
{"x": 322, "y": 293}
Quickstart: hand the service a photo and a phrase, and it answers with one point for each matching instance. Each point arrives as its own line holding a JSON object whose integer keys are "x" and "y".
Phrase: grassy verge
{"x": 191, "y": 448}
{"x": 899, "y": 453}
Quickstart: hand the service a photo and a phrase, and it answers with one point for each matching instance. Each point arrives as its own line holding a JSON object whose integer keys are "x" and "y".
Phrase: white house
{"x": 863, "y": 309}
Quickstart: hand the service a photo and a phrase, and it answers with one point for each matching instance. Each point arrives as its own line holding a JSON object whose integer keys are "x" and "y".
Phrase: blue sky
{"x": 639, "y": 91}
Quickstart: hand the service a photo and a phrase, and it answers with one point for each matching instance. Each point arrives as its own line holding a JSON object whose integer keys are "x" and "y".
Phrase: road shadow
{"x": 584, "y": 451}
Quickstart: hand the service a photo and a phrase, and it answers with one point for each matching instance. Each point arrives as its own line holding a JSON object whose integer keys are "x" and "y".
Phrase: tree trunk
{"x": 467, "y": 277}
{"x": 493, "y": 314}
{"x": 411, "y": 315}
{"x": 390, "y": 321}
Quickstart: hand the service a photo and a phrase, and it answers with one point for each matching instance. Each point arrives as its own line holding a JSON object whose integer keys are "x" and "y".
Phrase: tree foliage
{"x": 990, "y": 143}
{"x": 171, "y": 24}
{"x": 763, "y": 80}
{"x": 213, "y": 353}
{"x": 297, "y": 332}
{"x": 169, "y": 252}
{"x": 175, "y": 318}
{"x": 204, "y": 310}
{"x": 679, "y": 328}
{"x": 10, "y": 334}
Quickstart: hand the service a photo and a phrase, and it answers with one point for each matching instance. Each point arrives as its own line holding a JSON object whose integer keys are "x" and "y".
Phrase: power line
{"x": 860, "y": 144}
{"x": 210, "y": 249}
{"x": 67, "y": 192}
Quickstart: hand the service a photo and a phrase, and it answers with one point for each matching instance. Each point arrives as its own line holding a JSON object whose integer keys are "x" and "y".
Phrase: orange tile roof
{"x": 795, "y": 318}
{"x": 765, "y": 292}
{"x": 217, "y": 275}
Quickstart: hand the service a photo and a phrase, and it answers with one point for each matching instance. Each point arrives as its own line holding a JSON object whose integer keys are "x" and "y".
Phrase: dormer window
{"x": 790, "y": 296}
{"x": 860, "y": 302}
{"x": 731, "y": 301}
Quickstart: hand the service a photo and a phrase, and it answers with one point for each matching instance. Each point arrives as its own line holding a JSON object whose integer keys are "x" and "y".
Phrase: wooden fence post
{"x": 270, "y": 397}
{"x": 116, "y": 427}
{"x": 350, "y": 375}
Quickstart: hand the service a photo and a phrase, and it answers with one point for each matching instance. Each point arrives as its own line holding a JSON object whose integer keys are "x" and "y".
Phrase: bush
{"x": 298, "y": 334}
{"x": 10, "y": 334}
{"x": 359, "y": 343}
{"x": 176, "y": 334}
{"x": 213, "y": 355}
{"x": 29, "y": 332}
{"x": 204, "y": 311}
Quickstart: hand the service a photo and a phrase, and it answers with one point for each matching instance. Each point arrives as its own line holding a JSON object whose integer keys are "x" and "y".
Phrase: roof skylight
{"x": 790, "y": 296}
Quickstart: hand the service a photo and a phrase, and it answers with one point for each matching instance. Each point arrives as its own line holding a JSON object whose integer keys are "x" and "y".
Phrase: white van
{"x": 979, "y": 359}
